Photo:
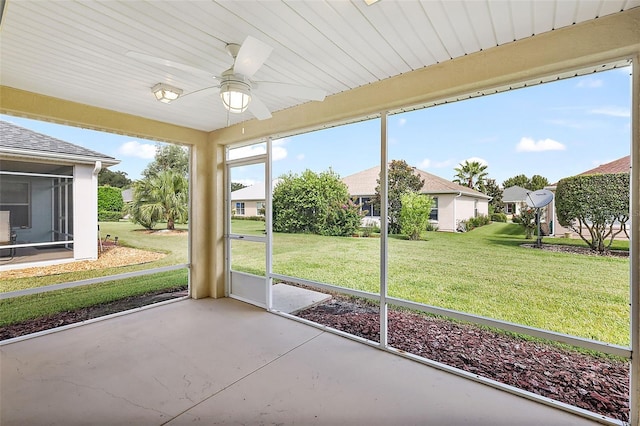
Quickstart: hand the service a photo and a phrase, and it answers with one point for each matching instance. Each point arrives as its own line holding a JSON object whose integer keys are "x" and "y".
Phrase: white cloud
{"x": 590, "y": 83}
{"x": 402, "y": 122}
{"x": 424, "y": 164}
{"x": 476, "y": 159}
{"x": 300, "y": 157}
{"x": 278, "y": 153}
{"x": 529, "y": 145}
{"x": 146, "y": 151}
{"x": 612, "y": 111}
{"x": 443, "y": 164}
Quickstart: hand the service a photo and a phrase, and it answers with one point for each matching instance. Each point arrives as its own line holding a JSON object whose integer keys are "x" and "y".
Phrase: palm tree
{"x": 471, "y": 174}
{"x": 160, "y": 196}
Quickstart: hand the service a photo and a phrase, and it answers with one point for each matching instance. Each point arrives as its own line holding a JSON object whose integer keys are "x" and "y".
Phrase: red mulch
{"x": 83, "y": 314}
{"x": 597, "y": 384}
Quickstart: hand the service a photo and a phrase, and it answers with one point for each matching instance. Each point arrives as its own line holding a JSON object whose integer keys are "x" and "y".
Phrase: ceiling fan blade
{"x": 292, "y": 90}
{"x": 258, "y": 108}
{"x": 169, "y": 63}
{"x": 252, "y": 54}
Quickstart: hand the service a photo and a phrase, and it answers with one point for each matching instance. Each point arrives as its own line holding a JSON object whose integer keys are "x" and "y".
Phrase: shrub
{"x": 598, "y": 204}
{"x": 107, "y": 216}
{"x": 478, "y": 221}
{"x": 110, "y": 199}
{"x": 498, "y": 217}
{"x": 414, "y": 214}
{"x": 257, "y": 218}
{"x": 526, "y": 218}
{"x": 316, "y": 203}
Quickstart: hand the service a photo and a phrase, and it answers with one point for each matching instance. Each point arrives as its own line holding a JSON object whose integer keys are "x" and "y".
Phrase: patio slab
{"x": 226, "y": 362}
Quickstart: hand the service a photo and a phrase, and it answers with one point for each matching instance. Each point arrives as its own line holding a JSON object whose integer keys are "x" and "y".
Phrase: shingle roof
{"x": 253, "y": 192}
{"x": 514, "y": 194}
{"x": 365, "y": 182}
{"x": 621, "y": 165}
{"x": 14, "y": 139}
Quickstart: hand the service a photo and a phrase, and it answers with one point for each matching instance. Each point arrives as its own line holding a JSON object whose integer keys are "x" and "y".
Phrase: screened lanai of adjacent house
{"x": 93, "y": 64}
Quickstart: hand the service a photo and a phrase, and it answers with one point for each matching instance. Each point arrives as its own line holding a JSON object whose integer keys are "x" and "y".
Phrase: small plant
{"x": 526, "y": 218}
{"x": 498, "y": 217}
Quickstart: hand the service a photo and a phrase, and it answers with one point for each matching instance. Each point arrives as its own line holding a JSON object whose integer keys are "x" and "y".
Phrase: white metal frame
{"x": 230, "y": 236}
{"x": 630, "y": 353}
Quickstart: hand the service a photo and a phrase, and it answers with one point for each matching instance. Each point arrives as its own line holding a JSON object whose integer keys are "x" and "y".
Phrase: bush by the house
{"x": 594, "y": 205}
{"x": 498, "y": 217}
{"x": 478, "y": 221}
{"x": 414, "y": 214}
{"x": 316, "y": 203}
{"x": 526, "y": 218}
{"x": 107, "y": 216}
{"x": 110, "y": 203}
{"x": 258, "y": 218}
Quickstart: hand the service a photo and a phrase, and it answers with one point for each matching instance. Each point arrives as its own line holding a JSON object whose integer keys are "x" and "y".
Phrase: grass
{"x": 23, "y": 308}
{"x": 130, "y": 235}
{"x": 484, "y": 272}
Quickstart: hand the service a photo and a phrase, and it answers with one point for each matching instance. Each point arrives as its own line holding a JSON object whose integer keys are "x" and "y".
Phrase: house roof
{"x": 253, "y": 192}
{"x": 621, "y": 165}
{"x": 16, "y": 141}
{"x": 514, "y": 194}
{"x": 365, "y": 182}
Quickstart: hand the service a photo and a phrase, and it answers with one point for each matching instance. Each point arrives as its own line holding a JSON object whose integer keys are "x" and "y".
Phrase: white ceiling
{"x": 77, "y": 50}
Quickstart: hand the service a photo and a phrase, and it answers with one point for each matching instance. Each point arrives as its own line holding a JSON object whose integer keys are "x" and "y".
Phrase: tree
{"x": 236, "y": 185}
{"x": 527, "y": 219}
{"x": 316, "y": 203}
{"x": 116, "y": 179}
{"x": 597, "y": 204}
{"x": 414, "y": 215}
{"x": 492, "y": 189}
{"x": 401, "y": 179}
{"x": 168, "y": 157}
{"x": 110, "y": 203}
{"x": 471, "y": 174}
{"x": 163, "y": 196}
{"x": 519, "y": 180}
{"x": 535, "y": 183}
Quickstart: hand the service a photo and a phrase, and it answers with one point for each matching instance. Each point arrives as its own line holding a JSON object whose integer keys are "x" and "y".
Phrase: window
{"x": 16, "y": 199}
{"x": 510, "y": 208}
{"x": 434, "y": 209}
{"x": 366, "y": 205}
{"x": 260, "y": 208}
{"x": 240, "y": 209}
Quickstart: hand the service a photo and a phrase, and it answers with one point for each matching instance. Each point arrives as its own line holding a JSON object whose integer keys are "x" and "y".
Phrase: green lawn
{"x": 130, "y": 235}
{"x": 34, "y": 306}
{"x": 484, "y": 272}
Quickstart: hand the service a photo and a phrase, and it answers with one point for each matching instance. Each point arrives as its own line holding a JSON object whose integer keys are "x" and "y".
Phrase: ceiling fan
{"x": 237, "y": 89}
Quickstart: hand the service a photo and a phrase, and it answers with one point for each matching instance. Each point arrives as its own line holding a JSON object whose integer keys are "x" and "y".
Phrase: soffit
{"x": 77, "y": 51}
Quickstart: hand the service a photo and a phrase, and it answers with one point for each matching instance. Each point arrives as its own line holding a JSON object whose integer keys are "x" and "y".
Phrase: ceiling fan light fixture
{"x": 235, "y": 95}
{"x": 166, "y": 93}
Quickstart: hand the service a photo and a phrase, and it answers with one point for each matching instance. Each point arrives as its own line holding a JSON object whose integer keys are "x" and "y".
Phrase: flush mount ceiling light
{"x": 370, "y": 2}
{"x": 166, "y": 93}
{"x": 235, "y": 92}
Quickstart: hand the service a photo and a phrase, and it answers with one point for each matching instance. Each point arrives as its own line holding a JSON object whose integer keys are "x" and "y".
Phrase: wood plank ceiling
{"x": 78, "y": 50}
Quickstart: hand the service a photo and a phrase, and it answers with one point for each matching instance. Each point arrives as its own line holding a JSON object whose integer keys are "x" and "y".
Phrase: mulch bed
{"x": 597, "y": 384}
{"x": 83, "y": 314}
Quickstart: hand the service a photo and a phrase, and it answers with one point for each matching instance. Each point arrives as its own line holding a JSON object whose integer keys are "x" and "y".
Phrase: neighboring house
{"x": 513, "y": 198}
{"x": 49, "y": 187}
{"x": 452, "y": 202}
{"x": 248, "y": 201}
{"x": 621, "y": 165}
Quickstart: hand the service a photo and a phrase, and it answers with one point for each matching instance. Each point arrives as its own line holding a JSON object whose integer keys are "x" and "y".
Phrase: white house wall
{"x": 85, "y": 213}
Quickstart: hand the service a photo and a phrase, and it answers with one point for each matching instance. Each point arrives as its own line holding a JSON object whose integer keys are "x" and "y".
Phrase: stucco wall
{"x": 85, "y": 212}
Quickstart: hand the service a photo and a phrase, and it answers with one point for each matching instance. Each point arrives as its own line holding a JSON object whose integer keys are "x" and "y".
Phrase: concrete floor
{"x": 222, "y": 361}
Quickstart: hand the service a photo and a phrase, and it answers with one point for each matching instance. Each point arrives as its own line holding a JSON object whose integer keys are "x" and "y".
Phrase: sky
{"x": 555, "y": 130}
